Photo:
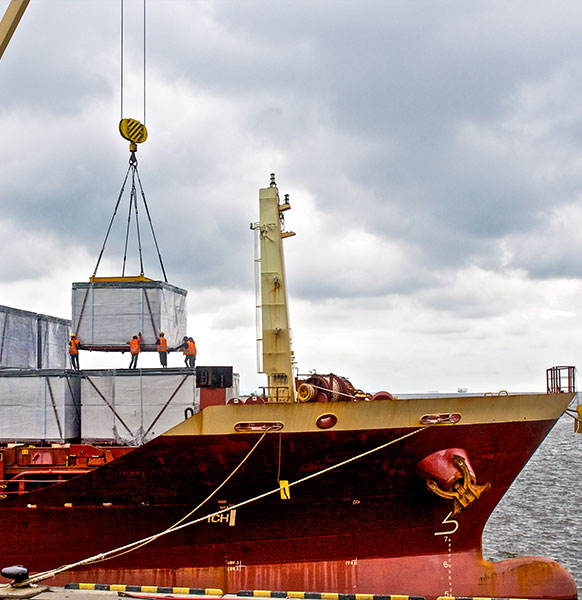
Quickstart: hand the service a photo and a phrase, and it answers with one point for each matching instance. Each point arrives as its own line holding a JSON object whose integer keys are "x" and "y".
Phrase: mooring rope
{"x": 347, "y": 395}
{"x": 177, "y": 523}
{"x": 133, "y": 546}
{"x": 574, "y": 414}
{"x": 139, "y": 543}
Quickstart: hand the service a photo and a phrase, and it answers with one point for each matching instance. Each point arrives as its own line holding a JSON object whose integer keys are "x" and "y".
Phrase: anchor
{"x": 449, "y": 474}
{"x": 464, "y": 491}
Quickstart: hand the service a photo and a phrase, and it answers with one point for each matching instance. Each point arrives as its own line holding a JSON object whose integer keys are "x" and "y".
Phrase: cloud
{"x": 431, "y": 152}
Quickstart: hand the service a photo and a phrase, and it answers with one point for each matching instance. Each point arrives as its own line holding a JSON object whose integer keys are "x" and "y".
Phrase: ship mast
{"x": 277, "y": 356}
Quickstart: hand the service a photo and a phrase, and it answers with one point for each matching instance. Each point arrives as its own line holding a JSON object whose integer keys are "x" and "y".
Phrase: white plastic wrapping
{"x": 132, "y": 407}
{"x": 234, "y": 391}
{"x": 39, "y": 406}
{"x": 107, "y": 314}
{"x": 29, "y": 340}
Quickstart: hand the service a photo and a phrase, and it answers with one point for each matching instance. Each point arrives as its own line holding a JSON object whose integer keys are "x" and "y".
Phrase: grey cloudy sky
{"x": 432, "y": 151}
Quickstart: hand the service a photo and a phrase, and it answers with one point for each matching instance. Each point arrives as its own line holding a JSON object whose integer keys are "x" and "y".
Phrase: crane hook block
{"x": 133, "y": 131}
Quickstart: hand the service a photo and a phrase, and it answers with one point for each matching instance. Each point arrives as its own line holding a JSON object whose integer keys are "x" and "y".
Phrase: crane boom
{"x": 10, "y": 22}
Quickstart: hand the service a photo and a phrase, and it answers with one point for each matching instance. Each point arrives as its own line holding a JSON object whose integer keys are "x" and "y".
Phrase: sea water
{"x": 540, "y": 514}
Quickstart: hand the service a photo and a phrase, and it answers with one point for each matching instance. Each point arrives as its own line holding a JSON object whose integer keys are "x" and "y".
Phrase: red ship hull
{"x": 370, "y": 526}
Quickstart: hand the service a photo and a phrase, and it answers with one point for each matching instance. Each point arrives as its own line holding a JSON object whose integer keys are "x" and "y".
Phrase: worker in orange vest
{"x": 188, "y": 347}
{"x": 184, "y": 347}
{"x": 74, "y": 351}
{"x": 162, "y": 344}
{"x": 192, "y": 348}
{"x": 135, "y": 349}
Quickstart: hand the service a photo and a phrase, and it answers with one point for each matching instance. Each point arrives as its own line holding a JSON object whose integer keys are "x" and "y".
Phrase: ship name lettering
{"x": 223, "y": 518}
{"x": 352, "y": 562}
{"x": 227, "y": 517}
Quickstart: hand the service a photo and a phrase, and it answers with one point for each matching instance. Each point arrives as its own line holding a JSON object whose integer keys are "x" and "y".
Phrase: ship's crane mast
{"x": 10, "y": 22}
{"x": 277, "y": 355}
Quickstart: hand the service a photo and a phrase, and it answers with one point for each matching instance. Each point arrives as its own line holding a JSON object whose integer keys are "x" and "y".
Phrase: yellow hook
{"x": 133, "y": 131}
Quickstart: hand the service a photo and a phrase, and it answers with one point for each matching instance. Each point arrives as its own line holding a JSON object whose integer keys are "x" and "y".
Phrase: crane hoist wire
{"x": 121, "y": 60}
{"x": 133, "y": 208}
{"x": 136, "y": 133}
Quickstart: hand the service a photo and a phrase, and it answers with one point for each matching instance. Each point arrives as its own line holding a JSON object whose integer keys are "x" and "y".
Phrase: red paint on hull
{"x": 463, "y": 574}
{"x": 370, "y": 526}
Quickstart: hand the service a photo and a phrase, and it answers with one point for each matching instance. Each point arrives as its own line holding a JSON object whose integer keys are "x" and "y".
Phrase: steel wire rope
{"x": 151, "y": 226}
{"x": 571, "y": 411}
{"x": 121, "y": 62}
{"x": 144, "y": 62}
{"x": 338, "y": 393}
{"x": 131, "y": 196}
{"x": 133, "y": 203}
{"x": 574, "y": 415}
{"x": 279, "y": 462}
{"x": 139, "y": 543}
{"x": 134, "y": 193}
{"x": 121, "y": 58}
{"x": 112, "y": 219}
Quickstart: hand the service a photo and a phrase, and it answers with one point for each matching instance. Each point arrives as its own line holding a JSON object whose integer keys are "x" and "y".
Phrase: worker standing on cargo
{"x": 192, "y": 348}
{"x": 135, "y": 349}
{"x": 188, "y": 347}
{"x": 74, "y": 351}
{"x": 162, "y": 344}
{"x": 184, "y": 347}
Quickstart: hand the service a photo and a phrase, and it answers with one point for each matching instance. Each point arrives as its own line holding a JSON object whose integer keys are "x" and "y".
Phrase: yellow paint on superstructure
{"x": 379, "y": 414}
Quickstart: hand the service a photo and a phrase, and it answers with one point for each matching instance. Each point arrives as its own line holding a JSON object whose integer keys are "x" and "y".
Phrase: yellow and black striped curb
{"x": 324, "y": 595}
{"x": 149, "y": 589}
{"x": 476, "y": 598}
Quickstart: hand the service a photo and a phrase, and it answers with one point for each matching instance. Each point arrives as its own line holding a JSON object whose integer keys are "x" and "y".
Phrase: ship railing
{"x": 26, "y": 481}
{"x": 561, "y": 379}
{"x": 276, "y": 394}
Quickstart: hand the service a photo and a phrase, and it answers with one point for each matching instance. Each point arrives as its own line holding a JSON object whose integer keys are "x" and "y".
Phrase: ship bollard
{"x": 18, "y": 587}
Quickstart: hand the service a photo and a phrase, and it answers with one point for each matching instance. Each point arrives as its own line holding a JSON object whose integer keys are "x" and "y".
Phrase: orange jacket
{"x": 162, "y": 344}
{"x": 191, "y": 349}
{"x": 134, "y": 347}
{"x": 74, "y": 346}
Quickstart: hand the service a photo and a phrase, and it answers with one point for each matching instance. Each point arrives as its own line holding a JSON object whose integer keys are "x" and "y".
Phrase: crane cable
{"x": 121, "y": 59}
{"x": 133, "y": 197}
{"x": 111, "y": 221}
{"x": 133, "y": 202}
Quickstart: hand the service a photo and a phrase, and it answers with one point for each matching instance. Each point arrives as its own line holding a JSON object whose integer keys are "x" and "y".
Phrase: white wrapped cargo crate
{"x": 133, "y": 407}
{"x": 39, "y": 406}
{"x": 106, "y": 314}
{"x": 30, "y": 340}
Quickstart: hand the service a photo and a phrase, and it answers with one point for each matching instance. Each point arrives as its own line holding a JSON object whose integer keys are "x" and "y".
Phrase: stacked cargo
{"x": 40, "y": 406}
{"x": 41, "y": 401}
{"x": 29, "y": 340}
{"x": 132, "y": 407}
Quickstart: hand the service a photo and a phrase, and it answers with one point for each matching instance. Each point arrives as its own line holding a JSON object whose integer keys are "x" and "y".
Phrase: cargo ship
{"x": 313, "y": 486}
{"x": 311, "y": 489}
